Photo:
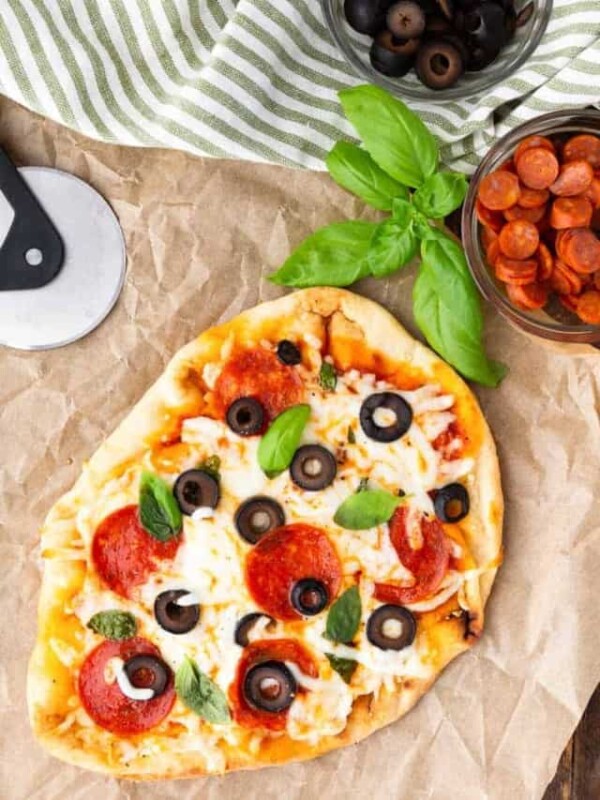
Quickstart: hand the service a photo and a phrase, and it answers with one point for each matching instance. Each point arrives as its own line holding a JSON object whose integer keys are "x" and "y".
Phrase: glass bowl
{"x": 554, "y": 322}
{"x": 355, "y": 47}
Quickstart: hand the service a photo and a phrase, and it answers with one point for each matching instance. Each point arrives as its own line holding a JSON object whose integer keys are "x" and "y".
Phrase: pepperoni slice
{"x": 531, "y": 142}
{"x": 538, "y": 168}
{"x": 424, "y": 549}
{"x": 582, "y": 250}
{"x": 593, "y": 192}
{"x": 124, "y": 554}
{"x": 575, "y": 178}
{"x": 533, "y": 198}
{"x": 519, "y": 273}
{"x": 588, "y": 307}
{"x": 530, "y": 297}
{"x": 519, "y": 239}
{"x": 488, "y": 237}
{"x": 569, "y": 301}
{"x": 584, "y": 147}
{"x": 564, "y": 280}
{"x": 256, "y": 653}
{"x": 260, "y": 374}
{"x": 451, "y": 442}
{"x": 105, "y": 702}
{"x": 283, "y": 557}
{"x": 534, "y": 215}
{"x": 489, "y": 219}
{"x": 493, "y": 252}
{"x": 545, "y": 262}
{"x": 571, "y": 212}
{"x": 499, "y": 190}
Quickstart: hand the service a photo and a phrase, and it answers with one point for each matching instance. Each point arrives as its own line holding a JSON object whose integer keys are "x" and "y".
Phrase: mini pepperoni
{"x": 593, "y": 192}
{"x": 533, "y": 198}
{"x": 519, "y": 239}
{"x": 538, "y": 168}
{"x": 582, "y": 250}
{"x": 255, "y": 653}
{"x": 575, "y": 178}
{"x": 588, "y": 307}
{"x": 508, "y": 166}
{"x": 489, "y": 219}
{"x": 105, "y": 702}
{"x": 584, "y": 147}
{"x": 571, "y": 212}
{"x": 569, "y": 301}
{"x": 528, "y": 298}
{"x": 596, "y": 280}
{"x": 493, "y": 252}
{"x": 596, "y": 220}
{"x": 499, "y": 190}
{"x": 564, "y": 280}
{"x": 124, "y": 554}
{"x": 519, "y": 273}
{"x": 534, "y": 215}
{"x": 260, "y": 374}
{"x": 283, "y": 557}
{"x": 488, "y": 237}
{"x": 531, "y": 142}
{"x": 545, "y": 262}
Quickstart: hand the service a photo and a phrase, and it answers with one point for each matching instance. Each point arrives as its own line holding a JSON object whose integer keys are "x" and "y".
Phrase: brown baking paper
{"x": 202, "y": 235}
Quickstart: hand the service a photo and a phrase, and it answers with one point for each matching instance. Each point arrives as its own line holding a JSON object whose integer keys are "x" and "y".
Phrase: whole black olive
{"x": 148, "y": 672}
{"x": 245, "y": 625}
{"x": 373, "y": 428}
{"x": 447, "y": 8}
{"x": 365, "y": 16}
{"x": 439, "y": 64}
{"x": 481, "y": 57}
{"x": 257, "y": 516}
{"x": 313, "y": 467}
{"x": 288, "y": 353}
{"x": 269, "y": 686}
{"x": 437, "y": 24}
{"x": 406, "y": 20}
{"x": 309, "y": 596}
{"x": 392, "y": 57}
{"x": 194, "y": 489}
{"x": 172, "y": 616}
{"x": 458, "y": 42}
{"x": 451, "y": 503}
{"x": 246, "y": 416}
{"x": 483, "y": 26}
{"x": 391, "y": 627}
{"x": 428, "y": 6}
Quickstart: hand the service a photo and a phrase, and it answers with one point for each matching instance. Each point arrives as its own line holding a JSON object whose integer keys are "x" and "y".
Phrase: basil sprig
{"x": 200, "y": 694}
{"x": 114, "y": 624}
{"x": 345, "y": 667}
{"x": 398, "y": 152}
{"x": 159, "y": 513}
{"x": 366, "y": 509}
{"x": 280, "y": 442}
{"x": 343, "y": 618}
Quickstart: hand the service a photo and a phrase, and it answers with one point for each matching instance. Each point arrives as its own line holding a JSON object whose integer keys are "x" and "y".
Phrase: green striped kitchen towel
{"x": 253, "y": 79}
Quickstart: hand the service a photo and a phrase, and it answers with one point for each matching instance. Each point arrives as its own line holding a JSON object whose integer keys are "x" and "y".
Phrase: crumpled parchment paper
{"x": 201, "y": 237}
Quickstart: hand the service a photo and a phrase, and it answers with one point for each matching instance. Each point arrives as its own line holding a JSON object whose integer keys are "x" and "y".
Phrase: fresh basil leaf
{"x": 159, "y": 513}
{"x": 354, "y": 170}
{"x": 200, "y": 694}
{"x": 366, "y": 509}
{"x": 333, "y": 256}
{"x": 280, "y": 442}
{"x": 343, "y": 618}
{"x": 403, "y": 211}
{"x": 345, "y": 667}
{"x": 447, "y": 310}
{"x": 351, "y": 435}
{"x": 393, "y": 135}
{"x": 393, "y": 245}
{"x": 441, "y": 194}
{"x": 114, "y": 624}
{"x": 212, "y": 466}
{"x": 327, "y": 376}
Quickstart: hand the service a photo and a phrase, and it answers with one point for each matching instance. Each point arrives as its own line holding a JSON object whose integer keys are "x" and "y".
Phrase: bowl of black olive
{"x": 437, "y": 49}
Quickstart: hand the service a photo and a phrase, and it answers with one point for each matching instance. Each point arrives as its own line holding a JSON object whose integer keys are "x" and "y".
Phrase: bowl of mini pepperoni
{"x": 531, "y": 226}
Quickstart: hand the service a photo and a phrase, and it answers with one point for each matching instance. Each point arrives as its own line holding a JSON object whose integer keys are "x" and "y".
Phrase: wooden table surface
{"x": 578, "y": 773}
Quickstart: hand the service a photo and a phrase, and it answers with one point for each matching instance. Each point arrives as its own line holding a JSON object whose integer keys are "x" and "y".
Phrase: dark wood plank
{"x": 561, "y": 786}
{"x": 586, "y": 753}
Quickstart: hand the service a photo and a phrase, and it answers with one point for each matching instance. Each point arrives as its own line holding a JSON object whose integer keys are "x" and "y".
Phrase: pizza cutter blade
{"x": 62, "y": 257}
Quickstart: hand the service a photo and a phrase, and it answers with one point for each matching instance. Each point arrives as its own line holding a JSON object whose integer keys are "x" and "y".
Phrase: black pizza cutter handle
{"x": 32, "y": 252}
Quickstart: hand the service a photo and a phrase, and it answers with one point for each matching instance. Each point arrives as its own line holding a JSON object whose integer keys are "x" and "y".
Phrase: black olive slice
{"x": 269, "y": 686}
{"x": 147, "y": 672}
{"x": 173, "y": 617}
{"x": 365, "y": 16}
{"x": 309, "y": 596}
{"x": 451, "y": 503}
{"x": 313, "y": 467}
{"x": 394, "y": 403}
{"x": 257, "y": 516}
{"x": 406, "y": 20}
{"x": 391, "y": 56}
{"x": 288, "y": 353}
{"x": 194, "y": 489}
{"x": 439, "y": 64}
{"x": 246, "y": 416}
{"x": 245, "y": 625}
{"x": 391, "y": 627}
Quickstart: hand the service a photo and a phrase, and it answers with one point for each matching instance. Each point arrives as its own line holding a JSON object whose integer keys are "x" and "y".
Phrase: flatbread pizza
{"x": 274, "y": 555}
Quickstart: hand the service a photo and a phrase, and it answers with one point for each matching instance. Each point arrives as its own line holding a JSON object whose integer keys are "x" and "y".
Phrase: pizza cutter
{"x": 62, "y": 257}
